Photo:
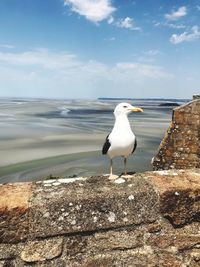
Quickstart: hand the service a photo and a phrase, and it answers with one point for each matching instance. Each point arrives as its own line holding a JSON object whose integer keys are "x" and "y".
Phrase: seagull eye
{"x": 124, "y": 106}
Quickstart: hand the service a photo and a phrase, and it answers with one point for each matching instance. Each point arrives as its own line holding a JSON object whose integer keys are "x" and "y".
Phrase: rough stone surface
{"x": 180, "y": 148}
{"x": 179, "y": 193}
{"x": 42, "y": 250}
{"x": 90, "y": 206}
{"x": 149, "y": 220}
{"x": 14, "y": 207}
{"x": 9, "y": 251}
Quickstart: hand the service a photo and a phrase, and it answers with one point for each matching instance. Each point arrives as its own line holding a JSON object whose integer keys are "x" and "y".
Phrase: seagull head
{"x": 125, "y": 109}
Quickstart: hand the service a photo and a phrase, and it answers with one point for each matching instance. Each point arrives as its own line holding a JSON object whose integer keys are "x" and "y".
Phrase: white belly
{"x": 121, "y": 144}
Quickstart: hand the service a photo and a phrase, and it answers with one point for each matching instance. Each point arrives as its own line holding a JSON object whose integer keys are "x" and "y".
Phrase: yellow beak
{"x": 137, "y": 109}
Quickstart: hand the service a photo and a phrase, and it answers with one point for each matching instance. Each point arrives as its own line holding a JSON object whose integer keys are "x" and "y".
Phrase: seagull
{"x": 121, "y": 141}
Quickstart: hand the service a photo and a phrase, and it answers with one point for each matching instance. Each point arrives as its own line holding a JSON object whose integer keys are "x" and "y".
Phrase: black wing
{"x": 135, "y": 145}
{"x": 106, "y": 146}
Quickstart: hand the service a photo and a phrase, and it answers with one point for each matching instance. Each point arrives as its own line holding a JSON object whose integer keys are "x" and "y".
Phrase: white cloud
{"x": 127, "y": 23}
{"x": 94, "y": 11}
{"x": 174, "y": 15}
{"x": 185, "y": 36}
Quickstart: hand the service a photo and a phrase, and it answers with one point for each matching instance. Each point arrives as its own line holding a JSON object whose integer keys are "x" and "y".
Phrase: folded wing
{"x": 106, "y": 145}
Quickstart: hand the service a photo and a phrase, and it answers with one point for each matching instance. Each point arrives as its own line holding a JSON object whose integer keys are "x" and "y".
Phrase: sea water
{"x": 42, "y": 137}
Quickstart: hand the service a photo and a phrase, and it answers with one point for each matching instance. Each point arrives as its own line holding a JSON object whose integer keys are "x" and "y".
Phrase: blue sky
{"x": 95, "y": 48}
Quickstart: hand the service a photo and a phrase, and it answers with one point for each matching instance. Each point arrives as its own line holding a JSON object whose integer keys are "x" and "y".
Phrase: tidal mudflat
{"x": 42, "y": 137}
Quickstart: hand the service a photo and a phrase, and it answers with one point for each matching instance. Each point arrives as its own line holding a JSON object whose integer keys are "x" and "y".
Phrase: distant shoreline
{"x": 15, "y": 98}
{"x": 152, "y": 99}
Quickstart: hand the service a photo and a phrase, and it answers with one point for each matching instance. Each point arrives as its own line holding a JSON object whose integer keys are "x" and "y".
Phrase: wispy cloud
{"x": 94, "y": 11}
{"x": 7, "y": 46}
{"x": 185, "y": 36}
{"x": 40, "y": 58}
{"x": 168, "y": 24}
{"x": 149, "y": 56}
{"x": 111, "y": 39}
{"x": 110, "y": 20}
{"x": 59, "y": 61}
{"x": 152, "y": 52}
{"x": 145, "y": 70}
{"x": 175, "y": 15}
{"x": 47, "y": 70}
{"x": 175, "y": 26}
{"x": 127, "y": 23}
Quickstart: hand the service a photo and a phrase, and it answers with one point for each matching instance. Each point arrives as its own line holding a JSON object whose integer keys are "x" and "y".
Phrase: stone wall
{"x": 180, "y": 148}
{"x": 148, "y": 219}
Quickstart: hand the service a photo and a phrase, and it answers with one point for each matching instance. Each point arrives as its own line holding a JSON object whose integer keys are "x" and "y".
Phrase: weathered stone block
{"x": 90, "y": 206}
{"x": 183, "y": 133}
{"x": 117, "y": 240}
{"x": 139, "y": 258}
{"x": 178, "y": 242}
{"x": 42, "y": 250}
{"x": 148, "y": 219}
{"x": 14, "y": 207}
{"x": 179, "y": 195}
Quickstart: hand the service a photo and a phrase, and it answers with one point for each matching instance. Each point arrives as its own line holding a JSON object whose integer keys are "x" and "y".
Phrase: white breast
{"x": 122, "y": 139}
